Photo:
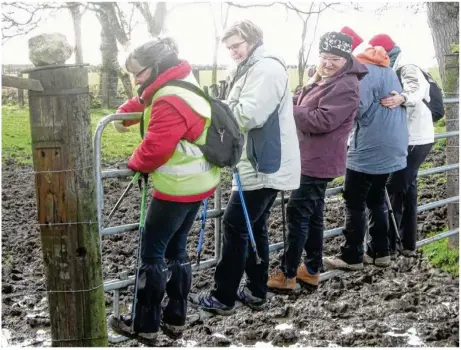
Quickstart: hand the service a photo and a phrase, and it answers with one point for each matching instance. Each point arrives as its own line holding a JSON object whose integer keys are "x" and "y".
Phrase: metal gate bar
{"x": 216, "y": 213}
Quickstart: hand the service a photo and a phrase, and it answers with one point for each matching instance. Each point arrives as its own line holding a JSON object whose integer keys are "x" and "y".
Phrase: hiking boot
{"x": 337, "y": 262}
{"x": 303, "y": 275}
{"x": 122, "y": 325}
{"x": 383, "y": 261}
{"x": 278, "y": 280}
{"x": 247, "y": 298}
{"x": 409, "y": 253}
{"x": 207, "y": 302}
{"x": 171, "y": 331}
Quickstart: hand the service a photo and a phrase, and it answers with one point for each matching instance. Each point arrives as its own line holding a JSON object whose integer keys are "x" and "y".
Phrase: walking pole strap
{"x": 202, "y": 229}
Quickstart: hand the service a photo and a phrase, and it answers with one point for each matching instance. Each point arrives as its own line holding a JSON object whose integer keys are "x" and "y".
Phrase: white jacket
{"x": 254, "y": 95}
{"x": 415, "y": 89}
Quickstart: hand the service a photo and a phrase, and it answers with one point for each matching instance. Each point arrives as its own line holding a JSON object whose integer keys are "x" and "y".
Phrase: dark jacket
{"x": 324, "y": 116}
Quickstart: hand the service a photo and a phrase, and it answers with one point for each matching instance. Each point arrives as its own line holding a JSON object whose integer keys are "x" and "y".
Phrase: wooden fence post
{"x": 451, "y": 90}
{"x": 66, "y": 202}
{"x": 20, "y": 94}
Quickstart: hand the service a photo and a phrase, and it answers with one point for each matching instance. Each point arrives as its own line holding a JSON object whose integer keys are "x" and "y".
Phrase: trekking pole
{"x": 142, "y": 218}
{"x": 247, "y": 219}
{"x": 202, "y": 232}
{"x": 284, "y": 225}
{"x": 394, "y": 223}
{"x": 132, "y": 182}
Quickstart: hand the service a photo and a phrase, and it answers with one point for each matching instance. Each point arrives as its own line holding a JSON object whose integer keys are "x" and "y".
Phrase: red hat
{"x": 356, "y": 39}
{"x": 382, "y": 40}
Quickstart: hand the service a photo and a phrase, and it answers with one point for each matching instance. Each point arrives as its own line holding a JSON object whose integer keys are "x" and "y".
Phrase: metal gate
{"x": 124, "y": 280}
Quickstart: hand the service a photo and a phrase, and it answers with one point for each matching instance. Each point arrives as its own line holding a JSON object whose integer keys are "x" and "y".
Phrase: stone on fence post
{"x": 451, "y": 89}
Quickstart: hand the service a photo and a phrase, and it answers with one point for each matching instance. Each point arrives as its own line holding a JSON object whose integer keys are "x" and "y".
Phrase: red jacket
{"x": 170, "y": 121}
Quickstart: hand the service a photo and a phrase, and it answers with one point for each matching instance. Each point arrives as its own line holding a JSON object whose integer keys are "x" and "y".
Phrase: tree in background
{"x": 444, "y": 22}
{"x": 74, "y": 9}
{"x": 219, "y": 27}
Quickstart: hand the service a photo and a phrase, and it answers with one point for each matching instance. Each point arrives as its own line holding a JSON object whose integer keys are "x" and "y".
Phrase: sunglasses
{"x": 331, "y": 59}
{"x": 235, "y": 47}
{"x": 137, "y": 75}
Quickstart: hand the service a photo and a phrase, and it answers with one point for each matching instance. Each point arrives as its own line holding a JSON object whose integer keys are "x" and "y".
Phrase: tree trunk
{"x": 214, "y": 69}
{"x": 301, "y": 59}
{"x": 110, "y": 67}
{"x": 125, "y": 79}
{"x": 444, "y": 22}
{"x": 451, "y": 87}
{"x": 155, "y": 22}
{"x": 77, "y": 22}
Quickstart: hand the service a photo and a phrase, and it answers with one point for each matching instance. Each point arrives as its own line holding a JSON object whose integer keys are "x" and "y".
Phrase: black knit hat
{"x": 336, "y": 43}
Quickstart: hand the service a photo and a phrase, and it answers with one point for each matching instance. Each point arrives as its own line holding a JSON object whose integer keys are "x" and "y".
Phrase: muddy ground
{"x": 408, "y": 304}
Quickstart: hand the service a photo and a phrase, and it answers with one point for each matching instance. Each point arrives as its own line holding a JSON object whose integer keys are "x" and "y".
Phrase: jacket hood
{"x": 257, "y": 55}
{"x": 375, "y": 55}
{"x": 400, "y": 61}
{"x": 357, "y": 68}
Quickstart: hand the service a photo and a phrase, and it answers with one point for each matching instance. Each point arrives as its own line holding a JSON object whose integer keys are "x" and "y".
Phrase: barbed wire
{"x": 33, "y": 293}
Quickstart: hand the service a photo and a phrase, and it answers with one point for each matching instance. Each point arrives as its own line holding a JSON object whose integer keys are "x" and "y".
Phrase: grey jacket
{"x": 379, "y": 141}
{"x": 261, "y": 101}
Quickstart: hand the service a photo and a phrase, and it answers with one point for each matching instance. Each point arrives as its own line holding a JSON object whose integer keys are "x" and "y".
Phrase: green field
{"x": 16, "y": 141}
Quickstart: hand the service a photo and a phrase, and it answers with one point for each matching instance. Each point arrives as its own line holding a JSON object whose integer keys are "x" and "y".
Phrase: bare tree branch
{"x": 252, "y": 5}
{"x": 21, "y": 18}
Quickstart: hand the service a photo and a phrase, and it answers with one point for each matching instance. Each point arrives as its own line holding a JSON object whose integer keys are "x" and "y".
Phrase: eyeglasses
{"x": 139, "y": 74}
{"x": 235, "y": 47}
{"x": 331, "y": 59}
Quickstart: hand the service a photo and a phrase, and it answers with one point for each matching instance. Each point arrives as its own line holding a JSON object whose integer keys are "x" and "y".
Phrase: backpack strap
{"x": 188, "y": 86}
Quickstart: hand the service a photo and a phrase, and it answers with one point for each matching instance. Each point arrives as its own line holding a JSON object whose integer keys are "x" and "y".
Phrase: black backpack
{"x": 224, "y": 141}
{"x": 436, "y": 104}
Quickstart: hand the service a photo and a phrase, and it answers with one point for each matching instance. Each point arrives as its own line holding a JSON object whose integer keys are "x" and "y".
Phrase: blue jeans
{"x": 305, "y": 225}
{"x": 237, "y": 254}
{"x": 165, "y": 237}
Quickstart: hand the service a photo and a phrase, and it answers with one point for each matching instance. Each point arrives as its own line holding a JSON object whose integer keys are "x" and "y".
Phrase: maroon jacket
{"x": 324, "y": 116}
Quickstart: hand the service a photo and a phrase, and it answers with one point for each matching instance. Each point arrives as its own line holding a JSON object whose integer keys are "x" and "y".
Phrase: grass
{"x": 16, "y": 141}
{"x": 440, "y": 255}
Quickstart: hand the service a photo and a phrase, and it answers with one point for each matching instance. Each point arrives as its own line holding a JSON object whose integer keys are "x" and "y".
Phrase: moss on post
{"x": 451, "y": 89}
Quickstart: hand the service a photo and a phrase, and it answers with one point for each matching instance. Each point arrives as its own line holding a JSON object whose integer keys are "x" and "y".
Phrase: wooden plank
{"x": 21, "y": 83}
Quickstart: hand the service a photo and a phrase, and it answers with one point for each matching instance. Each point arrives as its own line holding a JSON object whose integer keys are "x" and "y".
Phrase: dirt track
{"x": 408, "y": 304}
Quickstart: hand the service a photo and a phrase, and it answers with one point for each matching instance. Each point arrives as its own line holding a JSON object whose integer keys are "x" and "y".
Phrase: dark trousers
{"x": 363, "y": 191}
{"x": 165, "y": 238}
{"x": 305, "y": 225}
{"x": 237, "y": 253}
{"x": 403, "y": 192}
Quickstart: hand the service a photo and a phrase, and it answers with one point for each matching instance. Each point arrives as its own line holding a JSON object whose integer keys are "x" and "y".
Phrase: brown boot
{"x": 278, "y": 280}
{"x": 304, "y": 276}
